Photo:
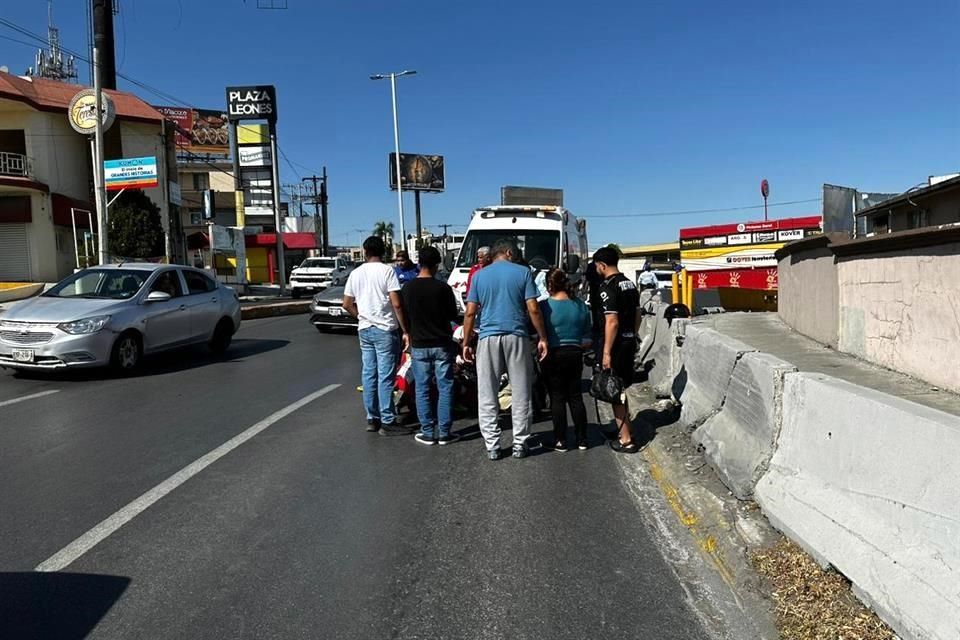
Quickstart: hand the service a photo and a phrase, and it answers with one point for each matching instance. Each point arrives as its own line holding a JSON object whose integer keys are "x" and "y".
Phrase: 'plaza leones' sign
{"x": 252, "y": 103}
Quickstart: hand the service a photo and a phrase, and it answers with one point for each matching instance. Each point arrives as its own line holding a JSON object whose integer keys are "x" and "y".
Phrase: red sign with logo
{"x": 763, "y": 279}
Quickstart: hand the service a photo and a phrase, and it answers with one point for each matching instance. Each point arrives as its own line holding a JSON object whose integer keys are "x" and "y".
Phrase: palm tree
{"x": 384, "y": 230}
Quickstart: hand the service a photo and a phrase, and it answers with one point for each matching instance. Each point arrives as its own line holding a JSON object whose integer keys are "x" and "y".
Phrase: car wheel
{"x": 127, "y": 352}
{"x": 222, "y": 336}
{"x": 295, "y": 293}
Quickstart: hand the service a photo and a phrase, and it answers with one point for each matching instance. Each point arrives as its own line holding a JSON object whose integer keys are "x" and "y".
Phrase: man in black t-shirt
{"x": 620, "y": 303}
{"x": 430, "y": 308}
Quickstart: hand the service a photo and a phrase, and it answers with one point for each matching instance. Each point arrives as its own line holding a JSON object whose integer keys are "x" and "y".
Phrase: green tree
{"x": 135, "y": 230}
{"x": 384, "y": 230}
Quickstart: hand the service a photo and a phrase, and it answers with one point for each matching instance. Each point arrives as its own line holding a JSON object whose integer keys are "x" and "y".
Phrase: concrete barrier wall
{"x": 738, "y": 440}
{"x": 707, "y": 361}
{"x": 658, "y": 355}
{"x": 869, "y": 484}
{"x": 864, "y": 481}
{"x": 808, "y": 296}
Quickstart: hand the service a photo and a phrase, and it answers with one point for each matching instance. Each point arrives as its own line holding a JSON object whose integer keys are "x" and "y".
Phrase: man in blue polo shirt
{"x": 507, "y": 295}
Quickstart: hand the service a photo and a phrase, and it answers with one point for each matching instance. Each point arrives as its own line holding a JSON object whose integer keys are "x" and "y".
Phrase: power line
{"x": 696, "y": 211}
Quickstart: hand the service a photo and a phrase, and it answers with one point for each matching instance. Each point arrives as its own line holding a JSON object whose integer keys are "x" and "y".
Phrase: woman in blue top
{"x": 567, "y": 321}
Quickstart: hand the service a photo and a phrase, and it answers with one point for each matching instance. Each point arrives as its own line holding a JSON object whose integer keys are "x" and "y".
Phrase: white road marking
{"x": 30, "y": 397}
{"x": 100, "y": 532}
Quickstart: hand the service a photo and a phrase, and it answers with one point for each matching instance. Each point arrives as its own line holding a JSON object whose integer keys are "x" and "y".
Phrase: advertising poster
{"x": 199, "y": 130}
{"x": 130, "y": 173}
{"x": 417, "y": 172}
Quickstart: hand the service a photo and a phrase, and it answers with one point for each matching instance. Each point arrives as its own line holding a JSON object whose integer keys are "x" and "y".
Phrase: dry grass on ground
{"x": 813, "y": 604}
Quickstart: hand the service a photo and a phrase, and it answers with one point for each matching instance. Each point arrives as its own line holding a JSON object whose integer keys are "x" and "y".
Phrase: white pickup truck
{"x": 315, "y": 274}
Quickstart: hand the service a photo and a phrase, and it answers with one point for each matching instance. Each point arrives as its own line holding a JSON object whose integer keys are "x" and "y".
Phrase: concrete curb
{"x": 274, "y": 310}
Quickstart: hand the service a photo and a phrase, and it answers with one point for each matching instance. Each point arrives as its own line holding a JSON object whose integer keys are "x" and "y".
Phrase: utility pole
{"x": 98, "y": 178}
{"x": 416, "y": 200}
{"x": 320, "y": 208}
{"x": 323, "y": 213}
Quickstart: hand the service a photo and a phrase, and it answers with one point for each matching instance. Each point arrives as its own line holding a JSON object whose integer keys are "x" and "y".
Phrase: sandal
{"x": 620, "y": 447}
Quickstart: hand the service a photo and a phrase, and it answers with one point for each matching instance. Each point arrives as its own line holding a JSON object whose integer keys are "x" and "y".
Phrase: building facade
{"x": 46, "y": 178}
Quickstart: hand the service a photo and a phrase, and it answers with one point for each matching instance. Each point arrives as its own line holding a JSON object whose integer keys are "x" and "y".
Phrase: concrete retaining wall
{"x": 739, "y": 440}
{"x": 706, "y": 365}
{"x": 870, "y": 484}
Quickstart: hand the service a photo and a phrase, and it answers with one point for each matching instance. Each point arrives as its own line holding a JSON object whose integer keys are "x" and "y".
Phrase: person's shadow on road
{"x": 66, "y": 606}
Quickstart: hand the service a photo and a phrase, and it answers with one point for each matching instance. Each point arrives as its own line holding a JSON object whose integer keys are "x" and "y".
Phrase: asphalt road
{"x": 311, "y": 528}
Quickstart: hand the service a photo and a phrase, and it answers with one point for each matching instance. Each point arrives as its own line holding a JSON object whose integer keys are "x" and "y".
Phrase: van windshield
{"x": 534, "y": 245}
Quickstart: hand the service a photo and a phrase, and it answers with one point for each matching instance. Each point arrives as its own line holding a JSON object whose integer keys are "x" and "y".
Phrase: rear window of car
{"x": 197, "y": 282}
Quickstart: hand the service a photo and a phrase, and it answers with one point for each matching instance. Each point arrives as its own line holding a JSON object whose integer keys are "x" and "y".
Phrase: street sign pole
{"x": 765, "y": 192}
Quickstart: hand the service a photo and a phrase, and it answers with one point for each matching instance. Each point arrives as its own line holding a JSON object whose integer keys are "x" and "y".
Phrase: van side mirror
{"x": 448, "y": 261}
{"x": 572, "y": 263}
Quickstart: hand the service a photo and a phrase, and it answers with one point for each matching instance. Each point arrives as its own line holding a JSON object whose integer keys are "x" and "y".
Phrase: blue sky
{"x": 631, "y": 107}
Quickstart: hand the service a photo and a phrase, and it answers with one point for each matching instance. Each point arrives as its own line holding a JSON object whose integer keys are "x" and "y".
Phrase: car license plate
{"x": 23, "y": 355}
{"x": 334, "y": 311}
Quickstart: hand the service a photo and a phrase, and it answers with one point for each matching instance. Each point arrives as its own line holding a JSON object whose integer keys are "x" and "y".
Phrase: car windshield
{"x": 313, "y": 263}
{"x": 108, "y": 284}
{"x": 543, "y": 245}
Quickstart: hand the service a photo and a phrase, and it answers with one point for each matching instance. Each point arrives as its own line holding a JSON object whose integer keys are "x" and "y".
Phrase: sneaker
{"x": 422, "y": 439}
{"x": 394, "y": 429}
{"x": 519, "y": 452}
{"x": 582, "y": 445}
{"x": 453, "y": 437}
{"x": 373, "y": 425}
{"x": 494, "y": 454}
{"x": 560, "y": 446}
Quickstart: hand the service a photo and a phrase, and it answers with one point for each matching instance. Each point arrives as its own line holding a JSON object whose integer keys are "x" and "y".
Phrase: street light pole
{"x": 396, "y": 141}
{"x": 396, "y": 147}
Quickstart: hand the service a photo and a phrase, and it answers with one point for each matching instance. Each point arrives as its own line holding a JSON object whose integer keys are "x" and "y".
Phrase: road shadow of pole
{"x": 66, "y": 606}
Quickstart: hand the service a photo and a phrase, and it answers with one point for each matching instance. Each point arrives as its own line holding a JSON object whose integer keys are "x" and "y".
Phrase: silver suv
{"x": 115, "y": 314}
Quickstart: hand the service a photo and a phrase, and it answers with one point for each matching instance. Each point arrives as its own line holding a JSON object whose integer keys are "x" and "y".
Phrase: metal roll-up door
{"x": 14, "y": 253}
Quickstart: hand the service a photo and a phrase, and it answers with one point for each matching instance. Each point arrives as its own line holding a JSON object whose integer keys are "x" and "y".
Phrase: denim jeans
{"x": 378, "y": 354}
{"x": 430, "y": 363}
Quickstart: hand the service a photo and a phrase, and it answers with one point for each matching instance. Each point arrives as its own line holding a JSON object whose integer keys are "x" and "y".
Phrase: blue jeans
{"x": 378, "y": 354}
{"x": 427, "y": 364}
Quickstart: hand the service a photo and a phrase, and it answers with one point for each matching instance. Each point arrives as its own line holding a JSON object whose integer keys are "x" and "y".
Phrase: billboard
{"x": 199, "y": 130}
{"x": 741, "y": 255}
{"x": 130, "y": 173}
{"x": 417, "y": 172}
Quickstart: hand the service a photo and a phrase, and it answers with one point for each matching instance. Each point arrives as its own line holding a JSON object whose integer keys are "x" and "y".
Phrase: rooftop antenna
{"x": 52, "y": 64}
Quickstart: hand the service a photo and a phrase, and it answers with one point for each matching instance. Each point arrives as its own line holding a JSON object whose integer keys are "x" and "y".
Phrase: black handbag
{"x": 606, "y": 386}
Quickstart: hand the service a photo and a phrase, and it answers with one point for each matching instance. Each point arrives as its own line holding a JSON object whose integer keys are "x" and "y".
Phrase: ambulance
{"x": 548, "y": 234}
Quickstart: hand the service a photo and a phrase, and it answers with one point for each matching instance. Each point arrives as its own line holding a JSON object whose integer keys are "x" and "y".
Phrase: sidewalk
{"x": 767, "y": 333}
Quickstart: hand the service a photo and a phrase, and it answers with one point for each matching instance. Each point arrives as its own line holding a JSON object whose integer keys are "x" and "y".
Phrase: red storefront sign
{"x": 763, "y": 279}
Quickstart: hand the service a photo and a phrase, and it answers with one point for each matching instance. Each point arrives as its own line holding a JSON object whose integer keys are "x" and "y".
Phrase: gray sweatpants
{"x": 497, "y": 355}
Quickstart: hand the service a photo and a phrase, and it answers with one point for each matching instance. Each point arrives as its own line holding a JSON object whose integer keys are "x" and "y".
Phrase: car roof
{"x": 142, "y": 266}
{"x": 145, "y": 266}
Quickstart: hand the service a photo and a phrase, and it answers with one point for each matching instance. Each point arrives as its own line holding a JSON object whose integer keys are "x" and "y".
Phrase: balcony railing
{"x": 15, "y": 164}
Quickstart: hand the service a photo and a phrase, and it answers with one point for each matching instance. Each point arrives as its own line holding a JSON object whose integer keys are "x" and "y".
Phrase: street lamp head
{"x": 378, "y": 76}
{"x": 408, "y": 72}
